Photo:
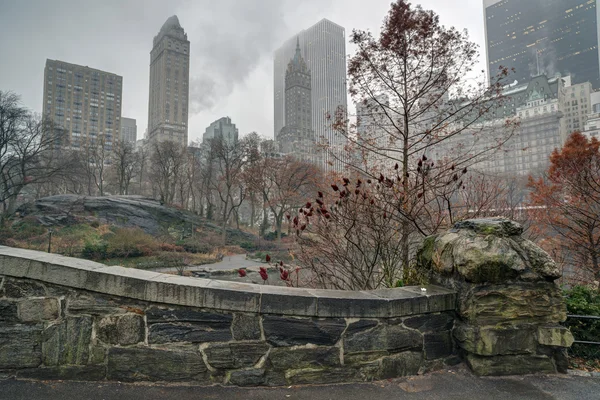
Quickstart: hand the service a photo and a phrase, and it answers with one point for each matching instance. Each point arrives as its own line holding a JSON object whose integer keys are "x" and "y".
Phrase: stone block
{"x": 66, "y": 372}
{"x": 320, "y": 375}
{"x": 187, "y": 325}
{"x": 187, "y": 332}
{"x": 282, "y": 358}
{"x": 557, "y": 335}
{"x": 402, "y": 364}
{"x": 283, "y": 331}
{"x": 150, "y": 364}
{"x": 490, "y": 341}
{"x": 515, "y": 303}
{"x": 122, "y": 329}
{"x": 383, "y": 337}
{"x": 68, "y": 342}
{"x": 16, "y": 289}
{"x": 94, "y": 305}
{"x": 247, "y": 377}
{"x": 235, "y": 355}
{"x": 437, "y": 345}
{"x": 430, "y": 322}
{"x": 98, "y": 355}
{"x": 510, "y": 365}
{"x": 283, "y": 301}
{"x": 339, "y": 303}
{"x": 8, "y": 311}
{"x": 245, "y": 327}
{"x": 20, "y": 346}
{"x": 39, "y": 309}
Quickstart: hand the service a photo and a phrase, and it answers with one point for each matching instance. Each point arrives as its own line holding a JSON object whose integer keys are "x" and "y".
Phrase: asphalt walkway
{"x": 229, "y": 262}
{"x": 456, "y": 383}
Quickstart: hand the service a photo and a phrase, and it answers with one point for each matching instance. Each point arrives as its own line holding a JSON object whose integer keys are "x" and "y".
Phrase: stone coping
{"x": 221, "y": 295}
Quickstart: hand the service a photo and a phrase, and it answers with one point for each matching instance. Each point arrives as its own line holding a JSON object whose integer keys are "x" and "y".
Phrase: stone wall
{"x": 509, "y": 308}
{"x": 65, "y": 318}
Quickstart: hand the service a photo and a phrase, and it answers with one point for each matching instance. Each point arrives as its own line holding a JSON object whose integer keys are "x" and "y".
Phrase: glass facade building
{"x": 539, "y": 37}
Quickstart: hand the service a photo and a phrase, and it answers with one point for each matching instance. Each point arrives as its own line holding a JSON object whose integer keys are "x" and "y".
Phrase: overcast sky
{"x": 232, "y": 44}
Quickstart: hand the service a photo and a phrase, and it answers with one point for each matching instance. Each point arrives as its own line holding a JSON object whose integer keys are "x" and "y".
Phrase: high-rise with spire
{"x": 323, "y": 47}
{"x": 169, "y": 84}
{"x": 297, "y": 137}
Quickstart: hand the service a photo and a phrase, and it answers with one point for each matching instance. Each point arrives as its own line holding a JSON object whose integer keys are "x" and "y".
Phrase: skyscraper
{"x": 222, "y": 128}
{"x": 297, "y": 137}
{"x": 84, "y": 101}
{"x": 543, "y": 37}
{"x": 128, "y": 130}
{"x": 323, "y": 47}
{"x": 169, "y": 84}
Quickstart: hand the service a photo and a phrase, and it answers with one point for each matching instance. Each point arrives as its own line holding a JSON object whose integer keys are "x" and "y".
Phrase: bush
{"x": 131, "y": 242}
{"x": 95, "y": 250}
{"x": 27, "y": 228}
{"x": 582, "y": 300}
{"x": 273, "y": 236}
{"x": 195, "y": 245}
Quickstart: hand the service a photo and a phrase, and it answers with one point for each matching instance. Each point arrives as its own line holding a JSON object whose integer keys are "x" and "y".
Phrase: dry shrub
{"x": 131, "y": 242}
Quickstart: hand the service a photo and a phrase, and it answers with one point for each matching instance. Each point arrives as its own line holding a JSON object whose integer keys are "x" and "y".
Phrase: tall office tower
{"x": 128, "y": 130}
{"x": 86, "y": 102}
{"x": 543, "y": 37}
{"x": 297, "y": 137}
{"x": 323, "y": 47}
{"x": 373, "y": 138}
{"x": 221, "y": 128}
{"x": 169, "y": 84}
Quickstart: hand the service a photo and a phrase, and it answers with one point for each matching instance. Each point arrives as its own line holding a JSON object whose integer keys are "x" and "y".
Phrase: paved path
{"x": 229, "y": 262}
{"x": 452, "y": 384}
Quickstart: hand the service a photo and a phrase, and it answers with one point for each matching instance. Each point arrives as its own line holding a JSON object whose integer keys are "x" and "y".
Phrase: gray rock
{"x": 320, "y": 375}
{"x": 384, "y": 337}
{"x": 122, "y": 329}
{"x": 39, "y": 309}
{"x": 437, "y": 345}
{"x": 491, "y": 226}
{"x": 20, "y": 346}
{"x": 283, "y": 358}
{"x": 235, "y": 355}
{"x": 94, "y": 305}
{"x": 491, "y": 340}
{"x": 187, "y": 325}
{"x": 510, "y": 365}
{"x": 430, "y": 322}
{"x": 245, "y": 327}
{"x": 402, "y": 364}
{"x": 247, "y": 377}
{"x": 68, "y": 342}
{"x": 148, "y": 364}
{"x": 65, "y": 372}
{"x": 127, "y": 211}
{"x": 187, "y": 332}
{"x": 8, "y": 311}
{"x": 282, "y": 331}
{"x": 15, "y": 288}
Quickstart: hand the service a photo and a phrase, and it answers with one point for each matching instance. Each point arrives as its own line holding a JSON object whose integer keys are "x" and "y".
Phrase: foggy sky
{"x": 232, "y": 44}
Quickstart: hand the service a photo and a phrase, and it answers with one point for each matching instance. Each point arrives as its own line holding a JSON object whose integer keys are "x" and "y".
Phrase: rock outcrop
{"x": 128, "y": 211}
{"x": 508, "y": 305}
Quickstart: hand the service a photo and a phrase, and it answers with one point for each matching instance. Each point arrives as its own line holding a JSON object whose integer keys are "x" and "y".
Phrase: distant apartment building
{"x": 221, "y": 128}
{"x": 85, "y": 102}
{"x": 128, "y": 130}
{"x": 547, "y": 110}
{"x": 296, "y": 137}
{"x": 169, "y": 84}
{"x": 323, "y": 47}
{"x": 373, "y": 134}
{"x": 538, "y": 37}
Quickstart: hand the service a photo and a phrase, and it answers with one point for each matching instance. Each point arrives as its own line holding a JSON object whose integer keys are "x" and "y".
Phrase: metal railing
{"x": 583, "y": 347}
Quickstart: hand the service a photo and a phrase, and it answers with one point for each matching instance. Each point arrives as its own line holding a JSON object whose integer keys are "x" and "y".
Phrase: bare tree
{"x": 167, "y": 164}
{"x": 125, "y": 165}
{"x": 28, "y": 151}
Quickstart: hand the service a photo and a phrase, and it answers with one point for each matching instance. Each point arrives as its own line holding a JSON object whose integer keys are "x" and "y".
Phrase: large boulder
{"x": 508, "y": 305}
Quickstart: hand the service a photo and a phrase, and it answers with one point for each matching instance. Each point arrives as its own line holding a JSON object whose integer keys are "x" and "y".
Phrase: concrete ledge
{"x": 230, "y": 296}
